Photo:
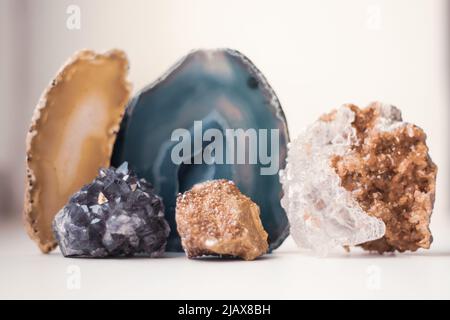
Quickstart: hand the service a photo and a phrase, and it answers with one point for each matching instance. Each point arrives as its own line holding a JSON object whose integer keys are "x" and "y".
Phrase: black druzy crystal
{"x": 115, "y": 215}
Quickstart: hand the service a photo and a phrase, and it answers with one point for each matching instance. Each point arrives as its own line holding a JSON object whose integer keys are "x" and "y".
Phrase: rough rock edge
{"x": 196, "y": 252}
{"x": 35, "y": 120}
{"x": 385, "y": 123}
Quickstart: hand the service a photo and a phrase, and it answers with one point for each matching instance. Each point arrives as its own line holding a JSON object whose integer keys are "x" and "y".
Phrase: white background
{"x": 316, "y": 55}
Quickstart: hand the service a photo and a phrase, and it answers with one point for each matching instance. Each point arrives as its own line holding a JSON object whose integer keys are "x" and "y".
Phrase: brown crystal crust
{"x": 392, "y": 177}
{"x": 72, "y": 134}
{"x": 215, "y": 218}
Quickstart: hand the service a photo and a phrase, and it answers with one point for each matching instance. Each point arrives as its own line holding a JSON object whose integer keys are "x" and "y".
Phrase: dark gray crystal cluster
{"x": 116, "y": 215}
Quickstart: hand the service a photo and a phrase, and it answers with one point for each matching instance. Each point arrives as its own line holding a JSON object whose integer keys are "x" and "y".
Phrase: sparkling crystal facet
{"x": 116, "y": 215}
{"x": 322, "y": 214}
{"x": 360, "y": 176}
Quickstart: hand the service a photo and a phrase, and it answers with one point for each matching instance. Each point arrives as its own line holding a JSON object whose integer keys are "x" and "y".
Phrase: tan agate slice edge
{"x": 72, "y": 134}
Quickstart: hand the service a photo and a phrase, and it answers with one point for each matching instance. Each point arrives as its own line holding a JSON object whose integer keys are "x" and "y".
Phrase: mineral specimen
{"x": 222, "y": 90}
{"x": 116, "y": 215}
{"x": 72, "y": 134}
{"x": 360, "y": 176}
{"x": 215, "y": 218}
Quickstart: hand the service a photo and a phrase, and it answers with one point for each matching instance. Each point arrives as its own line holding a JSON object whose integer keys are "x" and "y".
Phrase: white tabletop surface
{"x": 285, "y": 274}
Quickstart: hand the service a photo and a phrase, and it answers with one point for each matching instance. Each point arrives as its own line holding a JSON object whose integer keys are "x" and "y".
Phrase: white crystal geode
{"x": 322, "y": 213}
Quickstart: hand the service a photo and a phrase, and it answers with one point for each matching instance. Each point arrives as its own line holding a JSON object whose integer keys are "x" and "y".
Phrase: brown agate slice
{"x": 391, "y": 176}
{"x": 72, "y": 134}
{"x": 215, "y": 218}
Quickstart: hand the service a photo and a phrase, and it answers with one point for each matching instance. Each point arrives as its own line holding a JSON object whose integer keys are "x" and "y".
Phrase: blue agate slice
{"x": 224, "y": 90}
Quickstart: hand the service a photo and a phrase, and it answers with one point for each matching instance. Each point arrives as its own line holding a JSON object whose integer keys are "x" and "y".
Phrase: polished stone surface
{"x": 224, "y": 90}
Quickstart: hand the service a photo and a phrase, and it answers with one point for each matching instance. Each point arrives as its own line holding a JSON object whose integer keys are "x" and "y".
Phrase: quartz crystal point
{"x": 72, "y": 134}
{"x": 116, "y": 215}
{"x": 215, "y": 218}
{"x": 223, "y": 90}
{"x": 360, "y": 176}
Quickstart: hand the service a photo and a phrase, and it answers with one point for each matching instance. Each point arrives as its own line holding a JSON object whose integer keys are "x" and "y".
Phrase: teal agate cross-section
{"x": 224, "y": 90}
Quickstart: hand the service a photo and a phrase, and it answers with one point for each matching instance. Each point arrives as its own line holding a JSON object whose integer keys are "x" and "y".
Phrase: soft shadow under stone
{"x": 224, "y": 90}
